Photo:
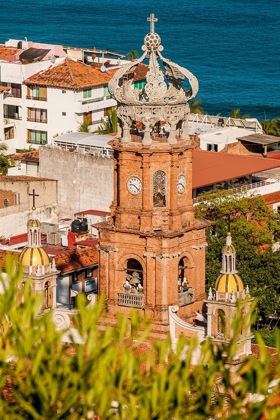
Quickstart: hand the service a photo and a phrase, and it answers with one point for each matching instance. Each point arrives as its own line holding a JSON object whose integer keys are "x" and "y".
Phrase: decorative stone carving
{"x": 210, "y": 294}
{"x": 92, "y": 298}
{"x": 61, "y": 320}
{"x": 162, "y": 98}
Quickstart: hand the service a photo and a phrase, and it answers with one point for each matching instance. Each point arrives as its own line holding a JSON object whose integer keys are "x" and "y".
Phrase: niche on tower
{"x": 185, "y": 292}
{"x": 133, "y": 291}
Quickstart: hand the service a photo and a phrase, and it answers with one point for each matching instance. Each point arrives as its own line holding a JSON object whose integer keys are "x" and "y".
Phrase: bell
{"x": 135, "y": 278}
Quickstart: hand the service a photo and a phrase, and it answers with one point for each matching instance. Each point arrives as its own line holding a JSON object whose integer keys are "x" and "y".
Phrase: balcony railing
{"x": 131, "y": 300}
{"x": 36, "y": 98}
{"x": 12, "y": 117}
{"x": 42, "y": 120}
{"x": 91, "y": 100}
{"x": 185, "y": 298}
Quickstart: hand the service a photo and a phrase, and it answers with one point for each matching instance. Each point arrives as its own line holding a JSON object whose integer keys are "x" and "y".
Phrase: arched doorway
{"x": 48, "y": 295}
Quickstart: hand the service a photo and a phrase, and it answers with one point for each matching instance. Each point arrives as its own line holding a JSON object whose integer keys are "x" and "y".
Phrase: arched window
{"x": 159, "y": 189}
{"x": 182, "y": 274}
{"x": 133, "y": 266}
{"x": 221, "y": 322}
{"x": 48, "y": 295}
{"x": 6, "y": 202}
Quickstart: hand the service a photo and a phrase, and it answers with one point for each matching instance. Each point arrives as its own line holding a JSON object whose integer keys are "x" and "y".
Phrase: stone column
{"x": 209, "y": 319}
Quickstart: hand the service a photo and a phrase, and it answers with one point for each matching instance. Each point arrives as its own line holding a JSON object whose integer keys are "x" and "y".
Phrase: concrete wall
{"x": 84, "y": 182}
{"x": 13, "y": 219}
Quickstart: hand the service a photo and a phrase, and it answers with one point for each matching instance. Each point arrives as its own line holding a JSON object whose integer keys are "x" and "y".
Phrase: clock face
{"x": 181, "y": 183}
{"x": 134, "y": 185}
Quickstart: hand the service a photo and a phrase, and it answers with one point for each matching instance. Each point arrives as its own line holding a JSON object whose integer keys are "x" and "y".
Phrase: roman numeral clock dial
{"x": 134, "y": 185}
{"x": 181, "y": 183}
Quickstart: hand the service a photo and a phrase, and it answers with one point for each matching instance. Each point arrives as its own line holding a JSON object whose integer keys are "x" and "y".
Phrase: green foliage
{"x": 84, "y": 127}
{"x": 253, "y": 228}
{"x": 268, "y": 337}
{"x": 30, "y": 149}
{"x": 105, "y": 377}
{"x": 195, "y": 107}
{"x": 235, "y": 113}
{"x": 132, "y": 54}
{"x": 271, "y": 127}
{"x": 5, "y": 161}
{"x": 110, "y": 125}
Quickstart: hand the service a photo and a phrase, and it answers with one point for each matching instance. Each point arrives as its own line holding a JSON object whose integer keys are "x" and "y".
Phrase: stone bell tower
{"x": 152, "y": 253}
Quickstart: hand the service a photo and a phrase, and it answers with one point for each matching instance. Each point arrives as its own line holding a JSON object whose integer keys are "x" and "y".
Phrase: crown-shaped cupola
{"x": 161, "y": 100}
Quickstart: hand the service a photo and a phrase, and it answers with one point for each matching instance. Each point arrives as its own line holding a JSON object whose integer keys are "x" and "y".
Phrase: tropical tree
{"x": 5, "y": 161}
{"x": 271, "y": 127}
{"x": 195, "y": 107}
{"x": 110, "y": 124}
{"x": 235, "y": 113}
{"x": 132, "y": 54}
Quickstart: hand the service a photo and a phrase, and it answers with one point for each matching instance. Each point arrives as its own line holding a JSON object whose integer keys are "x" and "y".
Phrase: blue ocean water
{"x": 232, "y": 46}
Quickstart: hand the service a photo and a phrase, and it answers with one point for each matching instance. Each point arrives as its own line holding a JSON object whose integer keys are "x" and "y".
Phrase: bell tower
{"x": 152, "y": 253}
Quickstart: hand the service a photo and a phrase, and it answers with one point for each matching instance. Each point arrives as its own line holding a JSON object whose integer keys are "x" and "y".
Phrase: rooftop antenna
{"x": 103, "y": 68}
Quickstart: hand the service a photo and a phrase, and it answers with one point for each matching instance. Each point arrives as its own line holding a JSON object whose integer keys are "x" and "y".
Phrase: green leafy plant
{"x": 110, "y": 125}
{"x": 84, "y": 127}
{"x": 114, "y": 373}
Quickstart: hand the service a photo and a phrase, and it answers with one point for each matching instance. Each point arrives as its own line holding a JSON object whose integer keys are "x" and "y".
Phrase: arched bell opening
{"x": 134, "y": 275}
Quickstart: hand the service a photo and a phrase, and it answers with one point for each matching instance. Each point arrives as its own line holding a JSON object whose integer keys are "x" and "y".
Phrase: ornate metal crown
{"x": 161, "y": 99}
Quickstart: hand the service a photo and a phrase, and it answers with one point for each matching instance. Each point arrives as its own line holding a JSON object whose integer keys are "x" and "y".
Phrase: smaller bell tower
{"x": 222, "y": 305}
{"x": 36, "y": 263}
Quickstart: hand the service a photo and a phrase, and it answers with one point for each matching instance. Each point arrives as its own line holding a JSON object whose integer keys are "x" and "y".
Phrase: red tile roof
{"x": 87, "y": 242}
{"x": 140, "y": 72}
{"x": 272, "y": 198}
{"x": 7, "y": 51}
{"x": 4, "y": 88}
{"x": 75, "y": 260}
{"x": 71, "y": 75}
{"x": 211, "y": 167}
{"x": 28, "y": 156}
{"x": 93, "y": 213}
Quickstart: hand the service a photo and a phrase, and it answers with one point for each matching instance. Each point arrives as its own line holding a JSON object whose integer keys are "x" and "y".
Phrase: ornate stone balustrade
{"x": 185, "y": 298}
{"x": 130, "y": 299}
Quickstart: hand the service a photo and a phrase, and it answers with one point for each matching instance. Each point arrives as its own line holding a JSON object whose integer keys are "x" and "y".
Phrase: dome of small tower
{"x": 34, "y": 256}
{"x": 228, "y": 280}
{"x": 229, "y": 283}
{"x": 33, "y": 223}
{"x": 228, "y": 248}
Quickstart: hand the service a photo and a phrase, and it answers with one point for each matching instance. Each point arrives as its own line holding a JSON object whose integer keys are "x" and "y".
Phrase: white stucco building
{"x": 45, "y": 93}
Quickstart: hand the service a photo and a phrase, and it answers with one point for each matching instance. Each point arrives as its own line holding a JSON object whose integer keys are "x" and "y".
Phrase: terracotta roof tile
{"x": 272, "y": 198}
{"x": 140, "y": 72}
{"x": 28, "y": 156}
{"x": 7, "y": 51}
{"x": 4, "y": 88}
{"x": 77, "y": 259}
{"x": 93, "y": 213}
{"x": 71, "y": 75}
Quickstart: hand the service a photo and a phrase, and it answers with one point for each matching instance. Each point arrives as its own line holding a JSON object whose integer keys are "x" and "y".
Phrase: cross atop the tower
{"x": 34, "y": 195}
{"x": 152, "y": 21}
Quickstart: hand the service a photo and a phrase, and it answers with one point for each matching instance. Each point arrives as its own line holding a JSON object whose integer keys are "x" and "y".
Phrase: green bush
{"x": 268, "y": 337}
{"x": 106, "y": 376}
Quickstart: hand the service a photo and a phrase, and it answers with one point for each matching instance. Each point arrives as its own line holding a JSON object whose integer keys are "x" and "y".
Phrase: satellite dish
{"x": 103, "y": 69}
